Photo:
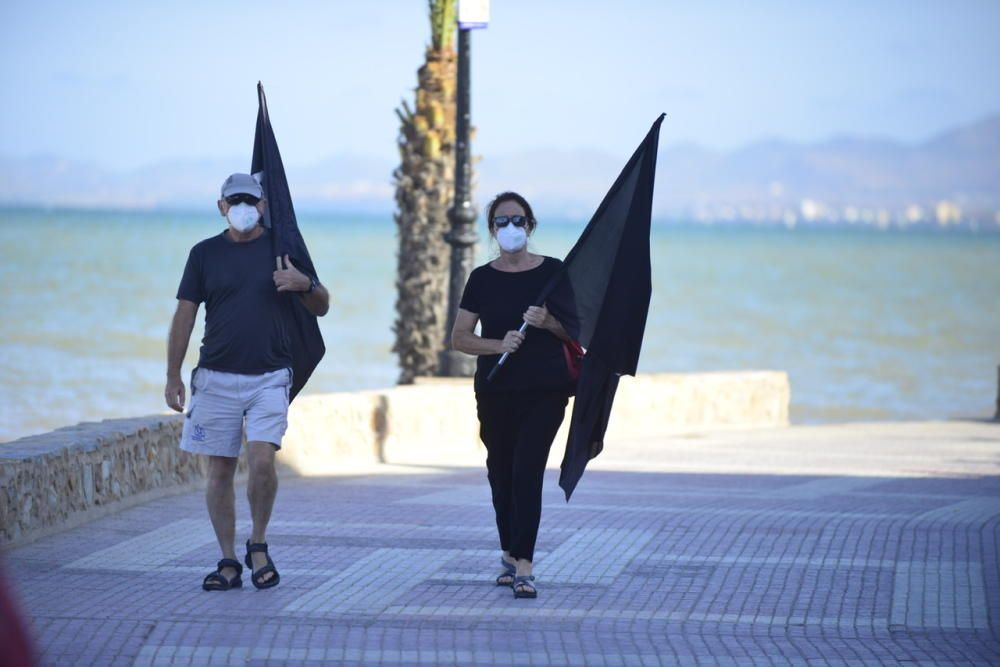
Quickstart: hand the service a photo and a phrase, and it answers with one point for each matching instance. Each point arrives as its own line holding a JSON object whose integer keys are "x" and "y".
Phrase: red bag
{"x": 573, "y": 352}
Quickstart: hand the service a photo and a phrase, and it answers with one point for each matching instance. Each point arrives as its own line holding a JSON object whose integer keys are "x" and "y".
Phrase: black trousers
{"x": 517, "y": 428}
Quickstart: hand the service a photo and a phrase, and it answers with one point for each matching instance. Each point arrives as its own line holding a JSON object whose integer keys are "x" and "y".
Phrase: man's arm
{"x": 177, "y": 343}
{"x": 317, "y": 301}
{"x": 287, "y": 278}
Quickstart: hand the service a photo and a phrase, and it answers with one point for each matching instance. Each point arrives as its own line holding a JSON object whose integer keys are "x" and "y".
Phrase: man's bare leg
{"x": 220, "y": 497}
{"x": 262, "y": 488}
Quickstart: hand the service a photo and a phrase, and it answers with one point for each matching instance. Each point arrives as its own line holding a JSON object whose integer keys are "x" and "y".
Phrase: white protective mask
{"x": 243, "y": 217}
{"x": 511, "y": 238}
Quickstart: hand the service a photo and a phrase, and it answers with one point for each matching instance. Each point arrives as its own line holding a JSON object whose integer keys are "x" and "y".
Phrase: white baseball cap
{"x": 241, "y": 184}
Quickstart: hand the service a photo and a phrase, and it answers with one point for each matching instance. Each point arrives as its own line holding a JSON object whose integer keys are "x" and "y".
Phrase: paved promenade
{"x": 833, "y": 545}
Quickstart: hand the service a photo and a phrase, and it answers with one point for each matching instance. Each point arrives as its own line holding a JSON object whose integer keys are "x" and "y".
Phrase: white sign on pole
{"x": 473, "y": 14}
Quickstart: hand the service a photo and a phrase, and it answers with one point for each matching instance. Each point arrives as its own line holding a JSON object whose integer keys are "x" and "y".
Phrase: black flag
{"x": 286, "y": 239}
{"x": 601, "y": 296}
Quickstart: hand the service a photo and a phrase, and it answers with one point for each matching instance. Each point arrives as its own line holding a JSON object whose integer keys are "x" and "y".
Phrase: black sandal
{"x": 216, "y": 581}
{"x": 523, "y": 588}
{"x": 255, "y": 577}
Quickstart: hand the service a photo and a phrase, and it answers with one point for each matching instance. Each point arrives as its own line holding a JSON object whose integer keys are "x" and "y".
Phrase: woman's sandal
{"x": 506, "y": 578}
{"x": 256, "y": 576}
{"x": 523, "y": 588}
{"x": 216, "y": 581}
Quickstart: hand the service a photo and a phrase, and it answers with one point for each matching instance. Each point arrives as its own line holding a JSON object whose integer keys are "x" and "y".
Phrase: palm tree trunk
{"x": 424, "y": 191}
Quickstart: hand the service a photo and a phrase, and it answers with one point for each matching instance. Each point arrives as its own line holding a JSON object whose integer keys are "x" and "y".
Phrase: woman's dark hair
{"x": 510, "y": 196}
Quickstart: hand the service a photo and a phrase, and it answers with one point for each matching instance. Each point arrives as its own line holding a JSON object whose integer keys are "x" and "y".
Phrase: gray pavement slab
{"x": 835, "y": 545}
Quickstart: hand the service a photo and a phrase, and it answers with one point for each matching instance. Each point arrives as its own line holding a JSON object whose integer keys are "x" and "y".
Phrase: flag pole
{"x": 503, "y": 359}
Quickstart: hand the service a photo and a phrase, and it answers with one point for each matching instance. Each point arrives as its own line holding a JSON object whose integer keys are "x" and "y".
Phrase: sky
{"x": 127, "y": 84}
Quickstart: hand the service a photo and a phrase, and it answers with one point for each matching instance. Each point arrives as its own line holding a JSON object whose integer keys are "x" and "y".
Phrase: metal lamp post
{"x": 462, "y": 214}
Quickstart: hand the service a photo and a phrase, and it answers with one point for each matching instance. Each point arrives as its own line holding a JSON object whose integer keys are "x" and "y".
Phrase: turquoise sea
{"x": 869, "y": 325}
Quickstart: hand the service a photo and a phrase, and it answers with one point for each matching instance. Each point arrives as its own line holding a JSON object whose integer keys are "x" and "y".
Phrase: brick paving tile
{"x": 877, "y": 564}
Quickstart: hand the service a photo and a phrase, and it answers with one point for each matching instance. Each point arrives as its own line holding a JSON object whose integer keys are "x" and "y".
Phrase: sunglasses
{"x": 242, "y": 198}
{"x": 504, "y": 220}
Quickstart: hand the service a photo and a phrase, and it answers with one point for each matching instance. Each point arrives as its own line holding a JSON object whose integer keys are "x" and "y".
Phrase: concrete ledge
{"x": 328, "y": 432}
{"x": 653, "y": 404}
{"x": 433, "y": 422}
{"x": 62, "y": 478}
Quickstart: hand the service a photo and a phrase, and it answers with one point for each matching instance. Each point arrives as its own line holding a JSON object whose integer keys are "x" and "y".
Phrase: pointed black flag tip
{"x": 262, "y": 103}
{"x": 655, "y": 128}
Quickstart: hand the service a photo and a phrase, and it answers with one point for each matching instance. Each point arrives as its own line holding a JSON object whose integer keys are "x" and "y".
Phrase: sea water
{"x": 869, "y": 325}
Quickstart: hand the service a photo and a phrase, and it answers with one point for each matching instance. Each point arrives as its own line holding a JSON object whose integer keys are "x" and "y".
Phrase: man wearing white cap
{"x": 244, "y": 369}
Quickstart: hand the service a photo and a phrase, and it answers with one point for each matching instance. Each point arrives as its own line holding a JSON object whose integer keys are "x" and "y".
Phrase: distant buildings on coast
{"x": 944, "y": 214}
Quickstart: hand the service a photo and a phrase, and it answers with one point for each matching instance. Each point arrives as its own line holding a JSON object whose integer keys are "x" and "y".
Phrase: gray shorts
{"x": 222, "y": 402}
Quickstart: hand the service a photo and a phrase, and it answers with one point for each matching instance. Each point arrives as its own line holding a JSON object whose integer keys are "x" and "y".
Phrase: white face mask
{"x": 511, "y": 238}
{"x": 243, "y": 217}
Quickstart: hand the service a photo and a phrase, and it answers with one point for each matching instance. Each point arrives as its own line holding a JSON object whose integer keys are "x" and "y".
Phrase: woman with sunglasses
{"x": 521, "y": 409}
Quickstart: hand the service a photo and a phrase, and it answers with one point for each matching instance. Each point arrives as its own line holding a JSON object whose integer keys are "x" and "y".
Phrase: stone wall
{"x": 59, "y": 479}
{"x": 48, "y": 480}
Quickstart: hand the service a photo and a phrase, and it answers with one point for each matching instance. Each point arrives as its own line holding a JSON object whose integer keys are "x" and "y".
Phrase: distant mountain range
{"x": 845, "y": 178}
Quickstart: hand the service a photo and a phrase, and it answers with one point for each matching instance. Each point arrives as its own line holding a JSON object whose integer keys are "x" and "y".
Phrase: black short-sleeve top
{"x": 500, "y": 298}
{"x": 245, "y": 315}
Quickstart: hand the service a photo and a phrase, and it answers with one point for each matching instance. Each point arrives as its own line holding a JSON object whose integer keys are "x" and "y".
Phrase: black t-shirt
{"x": 245, "y": 316}
{"x": 500, "y": 299}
